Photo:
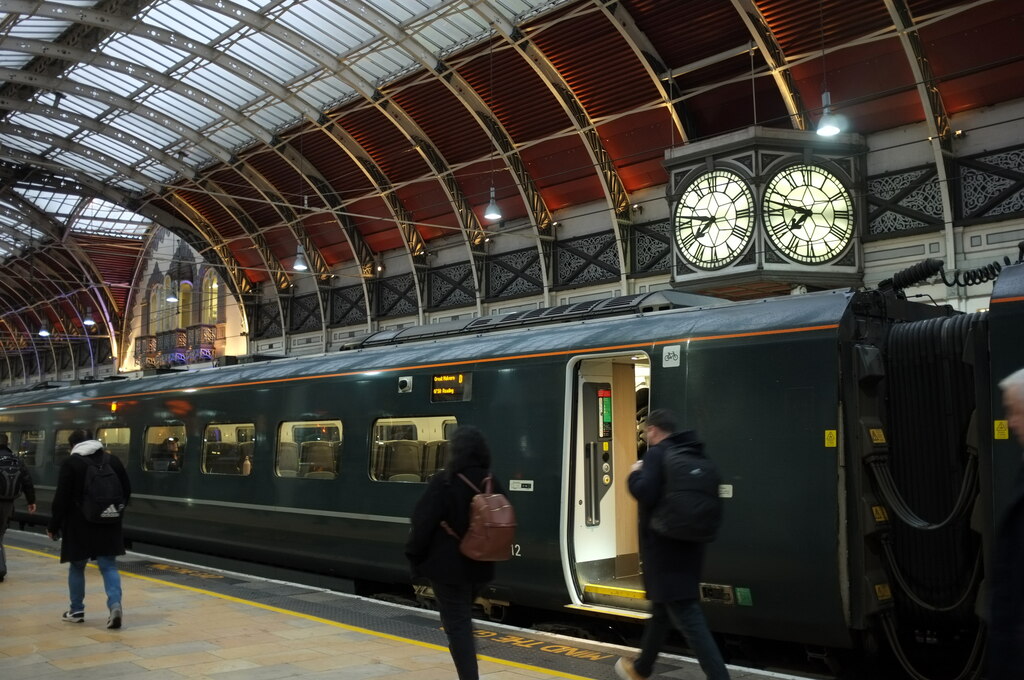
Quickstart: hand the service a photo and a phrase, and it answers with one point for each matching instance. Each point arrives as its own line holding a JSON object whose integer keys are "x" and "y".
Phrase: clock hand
{"x": 799, "y": 221}
{"x": 707, "y": 225}
{"x": 796, "y": 208}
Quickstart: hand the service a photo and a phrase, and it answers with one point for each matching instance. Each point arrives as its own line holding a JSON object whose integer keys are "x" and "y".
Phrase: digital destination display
{"x": 451, "y": 387}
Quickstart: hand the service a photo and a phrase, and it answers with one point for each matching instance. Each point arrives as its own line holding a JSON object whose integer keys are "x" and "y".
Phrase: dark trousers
{"x": 687, "y": 617}
{"x": 6, "y": 510}
{"x": 455, "y": 600}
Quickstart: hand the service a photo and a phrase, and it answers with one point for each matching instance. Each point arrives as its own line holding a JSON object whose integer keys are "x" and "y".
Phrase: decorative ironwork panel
{"x": 904, "y": 202}
{"x": 396, "y": 296}
{"x": 992, "y": 184}
{"x": 202, "y": 334}
{"x": 267, "y": 320}
{"x": 514, "y": 274}
{"x": 587, "y": 259}
{"x": 651, "y": 247}
{"x": 170, "y": 341}
{"x": 305, "y": 314}
{"x": 451, "y": 286}
{"x": 348, "y": 306}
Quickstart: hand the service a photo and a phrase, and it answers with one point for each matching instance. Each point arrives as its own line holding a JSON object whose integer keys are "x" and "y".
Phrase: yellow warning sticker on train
{"x": 1002, "y": 430}
{"x": 877, "y": 435}
{"x": 882, "y": 592}
{"x": 831, "y": 439}
{"x": 879, "y": 513}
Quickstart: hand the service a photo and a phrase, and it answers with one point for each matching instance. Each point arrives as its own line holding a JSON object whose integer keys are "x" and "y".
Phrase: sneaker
{"x": 115, "y": 617}
{"x": 73, "y": 617}
{"x": 625, "y": 671}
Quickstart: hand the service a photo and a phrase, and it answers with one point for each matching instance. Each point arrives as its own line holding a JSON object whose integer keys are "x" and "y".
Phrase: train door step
{"x": 616, "y": 612}
{"x": 615, "y": 591}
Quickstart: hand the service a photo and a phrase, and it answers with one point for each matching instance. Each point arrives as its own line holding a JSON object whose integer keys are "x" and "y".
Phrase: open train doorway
{"x": 602, "y": 554}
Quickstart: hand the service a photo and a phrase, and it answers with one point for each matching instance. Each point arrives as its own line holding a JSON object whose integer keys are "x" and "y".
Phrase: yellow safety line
{"x": 317, "y": 619}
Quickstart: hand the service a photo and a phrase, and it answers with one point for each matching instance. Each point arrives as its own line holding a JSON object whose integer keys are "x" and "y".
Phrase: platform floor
{"x": 183, "y": 621}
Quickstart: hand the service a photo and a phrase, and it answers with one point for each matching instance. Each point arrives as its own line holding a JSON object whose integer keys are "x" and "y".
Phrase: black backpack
{"x": 10, "y": 477}
{"x": 689, "y": 508}
{"x": 102, "y": 495}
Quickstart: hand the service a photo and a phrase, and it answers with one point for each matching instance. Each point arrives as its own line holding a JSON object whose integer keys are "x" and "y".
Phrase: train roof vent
{"x": 432, "y": 330}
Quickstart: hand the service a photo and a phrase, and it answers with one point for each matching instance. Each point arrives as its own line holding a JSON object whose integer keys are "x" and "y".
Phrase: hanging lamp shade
{"x": 172, "y": 297}
{"x": 830, "y": 124}
{"x": 300, "y": 260}
{"x": 492, "y": 212}
{"x": 44, "y": 330}
{"x": 87, "y": 320}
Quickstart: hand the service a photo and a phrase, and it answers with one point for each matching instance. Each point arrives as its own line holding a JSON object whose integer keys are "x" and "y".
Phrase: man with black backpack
{"x": 88, "y": 505}
{"x": 14, "y": 481}
{"x": 676, "y": 488}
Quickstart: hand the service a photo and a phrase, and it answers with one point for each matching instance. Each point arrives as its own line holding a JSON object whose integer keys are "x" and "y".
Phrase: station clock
{"x": 714, "y": 219}
{"x": 807, "y": 213}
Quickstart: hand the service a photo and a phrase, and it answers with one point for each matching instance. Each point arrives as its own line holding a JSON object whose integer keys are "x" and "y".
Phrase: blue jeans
{"x": 687, "y": 617}
{"x": 111, "y": 582}
{"x": 456, "y": 604}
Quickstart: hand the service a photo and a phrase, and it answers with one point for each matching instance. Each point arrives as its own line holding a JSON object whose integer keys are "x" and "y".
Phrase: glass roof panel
{"x": 197, "y": 23}
{"x": 23, "y": 143}
{"x": 143, "y": 128}
{"x": 274, "y": 116}
{"x": 83, "y": 106}
{"x": 377, "y": 64}
{"x": 102, "y": 217}
{"x": 327, "y": 24}
{"x": 104, "y": 79}
{"x": 270, "y": 56}
{"x": 230, "y": 137}
{"x": 325, "y": 90}
{"x": 46, "y": 123}
{"x": 136, "y": 49}
{"x": 111, "y": 147}
{"x": 226, "y": 86}
{"x": 55, "y": 203}
{"x": 182, "y": 109}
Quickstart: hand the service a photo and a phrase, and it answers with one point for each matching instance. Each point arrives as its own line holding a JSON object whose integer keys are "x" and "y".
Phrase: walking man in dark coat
{"x": 83, "y": 540}
{"x": 7, "y": 505}
{"x": 671, "y": 567}
{"x": 1006, "y": 629}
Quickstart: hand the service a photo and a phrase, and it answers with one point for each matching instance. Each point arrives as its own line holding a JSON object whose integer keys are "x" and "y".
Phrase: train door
{"x": 601, "y": 550}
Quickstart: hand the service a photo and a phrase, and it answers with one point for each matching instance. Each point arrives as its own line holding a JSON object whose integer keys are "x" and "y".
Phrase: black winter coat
{"x": 671, "y": 568}
{"x": 1006, "y": 625}
{"x": 81, "y": 539}
{"x": 434, "y": 553}
{"x": 27, "y": 487}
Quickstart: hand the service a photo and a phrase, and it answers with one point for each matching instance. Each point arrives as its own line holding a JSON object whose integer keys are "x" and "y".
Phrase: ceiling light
{"x": 492, "y": 212}
{"x": 830, "y": 124}
{"x": 300, "y": 260}
{"x": 87, "y": 320}
{"x": 172, "y": 297}
{"x": 44, "y": 330}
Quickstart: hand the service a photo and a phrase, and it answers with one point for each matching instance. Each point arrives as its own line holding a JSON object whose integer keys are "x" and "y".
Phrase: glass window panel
{"x": 181, "y": 109}
{"x": 116, "y": 441}
{"x": 139, "y": 49}
{"x": 156, "y": 134}
{"x": 308, "y": 449}
{"x": 274, "y": 116}
{"x": 164, "y": 448}
{"x": 228, "y": 449}
{"x": 327, "y": 25}
{"x": 231, "y": 137}
{"x": 24, "y": 144}
{"x": 410, "y": 449}
{"x": 53, "y": 126}
{"x": 266, "y": 54}
{"x": 111, "y": 147}
{"x": 198, "y": 23}
{"x": 29, "y": 445}
{"x": 223, "y": 84}
{"x": 61, "y": 448}
{"x": 106, "y": 79}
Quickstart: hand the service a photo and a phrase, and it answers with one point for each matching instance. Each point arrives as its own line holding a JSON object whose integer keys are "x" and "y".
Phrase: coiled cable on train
{"x": 894, "y": 569}
{"x": 972, "y": 669}
{"x": 924, "y": 270}
{"x": 891, "y": 495}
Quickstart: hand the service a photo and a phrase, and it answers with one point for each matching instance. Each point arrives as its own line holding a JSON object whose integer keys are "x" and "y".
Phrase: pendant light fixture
{"x": 44, "y": 329}
{"x": 87, "y": 320}
{"x": 300, "y": 260}
{"x": 492, "y": 212}
{"x": 830, "y": 124}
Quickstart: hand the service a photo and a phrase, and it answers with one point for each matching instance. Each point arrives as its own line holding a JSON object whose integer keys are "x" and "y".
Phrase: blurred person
{"x": 83, "y": 540}
{"x": 17, "y": 481}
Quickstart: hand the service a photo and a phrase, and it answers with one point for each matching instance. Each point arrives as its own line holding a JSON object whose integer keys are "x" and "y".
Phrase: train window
{"x": 308, "y": 449}
{"x": 413, "y": 457}
{"x": 31, "y": 442}
{"x": 228, "y": 449}
{"x": 115, "y": 440}
{"x": 164, "y": 449}
{"x": 61, "y": 448}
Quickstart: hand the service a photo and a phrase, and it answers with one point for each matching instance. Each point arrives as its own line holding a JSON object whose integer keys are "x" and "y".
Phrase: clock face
{"x": 808, "y": 214}
{"x": 714, "y": 219}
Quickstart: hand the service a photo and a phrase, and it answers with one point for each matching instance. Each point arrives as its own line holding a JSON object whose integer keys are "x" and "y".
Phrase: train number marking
{"x": 515, "y": 550}
{"x": 520, "y": 485}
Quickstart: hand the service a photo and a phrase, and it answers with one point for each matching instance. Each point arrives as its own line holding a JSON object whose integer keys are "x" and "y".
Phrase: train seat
{"x": 287, "y": 459}
{"x": 318, "y": 459}
{"x": 402, "y": 457}
{"x": 404, "y": 477}
{"x": 435, "y": 456}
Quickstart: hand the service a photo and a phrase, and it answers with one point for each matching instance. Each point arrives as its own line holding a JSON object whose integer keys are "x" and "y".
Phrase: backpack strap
{"x": 487, "y": 489}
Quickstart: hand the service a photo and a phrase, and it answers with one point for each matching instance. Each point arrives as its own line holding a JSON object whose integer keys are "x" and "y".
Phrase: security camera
{"x": 405, "y": 384}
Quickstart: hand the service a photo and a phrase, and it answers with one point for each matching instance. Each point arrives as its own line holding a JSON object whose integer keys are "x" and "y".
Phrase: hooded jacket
{"x": 82, "y": 539}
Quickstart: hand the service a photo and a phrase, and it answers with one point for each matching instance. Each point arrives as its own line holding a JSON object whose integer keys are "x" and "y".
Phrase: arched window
{"x": 185, "y": 304}
{"x": 155, "y": 299}
{"x": 167, "y": 309}
{"x": 208, "y": 314}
